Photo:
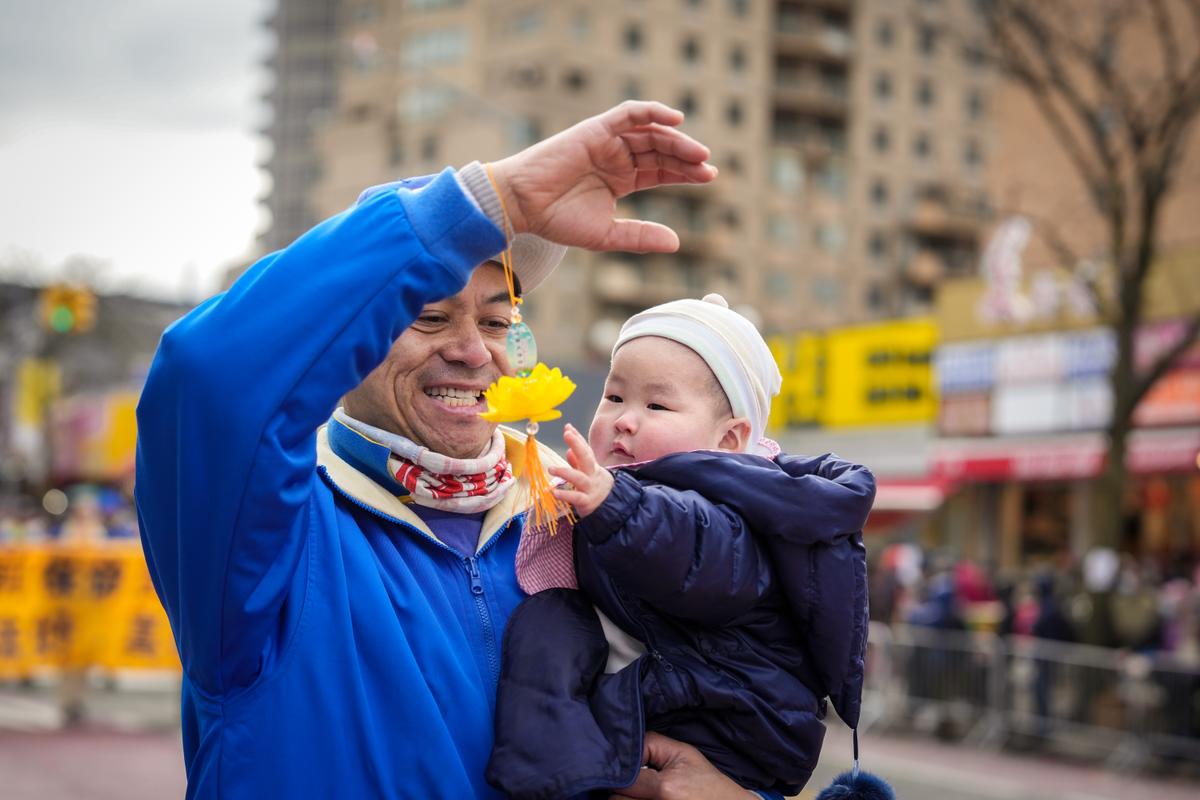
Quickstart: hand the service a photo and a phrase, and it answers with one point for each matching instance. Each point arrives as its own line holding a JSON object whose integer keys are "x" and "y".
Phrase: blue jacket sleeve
{"x": 673, "y": 548}
{"x": 228, "y": 417}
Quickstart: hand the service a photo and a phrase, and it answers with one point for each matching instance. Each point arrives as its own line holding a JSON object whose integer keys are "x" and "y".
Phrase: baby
{"x": 721, "y": 586}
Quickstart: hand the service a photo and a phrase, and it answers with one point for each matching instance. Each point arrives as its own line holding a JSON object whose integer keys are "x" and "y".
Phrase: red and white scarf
{"x": 462, "y": 485}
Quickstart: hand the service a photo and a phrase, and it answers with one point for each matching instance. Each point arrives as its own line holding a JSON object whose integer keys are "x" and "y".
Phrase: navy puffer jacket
{"x": 744, "y": 577}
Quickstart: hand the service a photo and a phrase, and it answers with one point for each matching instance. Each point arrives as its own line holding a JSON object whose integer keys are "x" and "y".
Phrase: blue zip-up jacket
{"x": 331, "y": 645}
{"x": 745, "y": 579}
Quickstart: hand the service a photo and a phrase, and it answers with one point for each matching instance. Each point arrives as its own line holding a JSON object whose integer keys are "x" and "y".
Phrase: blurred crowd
{"x": 82, "y": 514}
{"x": 1105, "y": 599}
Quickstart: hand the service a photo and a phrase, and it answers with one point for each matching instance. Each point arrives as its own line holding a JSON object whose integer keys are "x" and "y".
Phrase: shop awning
{"x": 911, "y": 494}
{"x": 1061, "y": 457}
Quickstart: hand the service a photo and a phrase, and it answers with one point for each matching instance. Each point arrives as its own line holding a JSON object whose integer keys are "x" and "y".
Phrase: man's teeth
{"x": 454, "y": 397}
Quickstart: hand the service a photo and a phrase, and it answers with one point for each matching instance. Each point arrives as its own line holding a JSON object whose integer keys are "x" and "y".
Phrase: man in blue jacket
{"x": 338, "y": 587}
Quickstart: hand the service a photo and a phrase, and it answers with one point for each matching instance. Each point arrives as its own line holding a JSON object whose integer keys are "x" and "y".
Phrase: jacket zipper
{"x": 470, "y": 562}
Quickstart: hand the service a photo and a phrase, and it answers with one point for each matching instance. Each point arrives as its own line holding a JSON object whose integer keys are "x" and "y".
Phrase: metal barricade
{"x": 1128, "y": 709}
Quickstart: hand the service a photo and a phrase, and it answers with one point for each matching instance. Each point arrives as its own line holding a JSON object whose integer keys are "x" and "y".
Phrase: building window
{"x": 885, "y": 33}
{"x": 975, "y": 104}
{"x": 787, "y": 171}
{"x": 633, "y": 38}
{"x": 782, "y": 229}
{"x": 927, "y": 40}
{"x": 734, "y": 164}
{"x": 526, "y": 22}
{"x": 831, "y": 178}
{"x": 632, "y": 90}
{"x": 429, "y": 148}
{"x": 973, "y": 55}
{"x": 879, "y": 193}
{"x": 881, "y": 139}
{"x": 739, "y": 8}
{"x": 433, "y": 47}
{"x": 691, "y": 50}
{"x": 581, "y": 26}
{"x": 733, "y": 113}
{"x": 426, "y": 5}
{"x": 830, "y": 237}
{"x": 883, "y": 86}
{"x": 925, "y": 96}
{"x": 827, "y": 291}
{"x": 877, "y": 246}
{"x": 576, "y": 80}
{"x": 737, "y": 58}
{"x": 694, "y": 3}
{"x": 876, "y": 297}
{"x": 922, "y": 146}
{"x": 972, "y": 154}
{"x": 778, "y": 284}
{"x": 687, "y": 103}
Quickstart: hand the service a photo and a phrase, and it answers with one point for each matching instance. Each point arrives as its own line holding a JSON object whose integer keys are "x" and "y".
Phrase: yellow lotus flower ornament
{"x": 534, "y": 397}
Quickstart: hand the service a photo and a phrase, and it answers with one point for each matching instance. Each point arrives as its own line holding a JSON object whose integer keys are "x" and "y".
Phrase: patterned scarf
{"x": 462, "y": 485}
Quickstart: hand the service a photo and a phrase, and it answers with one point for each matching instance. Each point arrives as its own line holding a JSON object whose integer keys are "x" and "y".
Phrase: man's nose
{"x": 466, "y": 346}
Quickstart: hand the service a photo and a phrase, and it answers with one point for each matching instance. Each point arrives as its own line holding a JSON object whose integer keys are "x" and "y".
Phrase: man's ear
{"x": 737, "y": 435}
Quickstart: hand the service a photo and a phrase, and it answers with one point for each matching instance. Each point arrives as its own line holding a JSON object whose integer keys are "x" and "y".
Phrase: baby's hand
{"x": 589, "y": 482}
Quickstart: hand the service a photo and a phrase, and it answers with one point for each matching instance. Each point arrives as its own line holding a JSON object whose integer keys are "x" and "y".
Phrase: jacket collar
{"x": 357, "y": 466}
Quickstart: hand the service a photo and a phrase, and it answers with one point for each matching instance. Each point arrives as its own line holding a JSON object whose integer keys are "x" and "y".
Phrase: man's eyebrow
{"x": 499, "y": 297}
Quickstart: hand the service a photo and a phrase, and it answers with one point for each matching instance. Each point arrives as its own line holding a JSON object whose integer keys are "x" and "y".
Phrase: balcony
{"x": 811, "y": 96}
{"x": 641, "y": 284}
{"x": 939, "y": 214}
{"x": 811, "y": 39}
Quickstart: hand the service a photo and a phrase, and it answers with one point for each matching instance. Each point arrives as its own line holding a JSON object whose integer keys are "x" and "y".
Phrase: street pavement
{"x": 128, "y": 749}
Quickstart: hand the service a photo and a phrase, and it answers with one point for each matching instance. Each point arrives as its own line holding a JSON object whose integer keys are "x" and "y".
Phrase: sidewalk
{"x": 924, "y": 769}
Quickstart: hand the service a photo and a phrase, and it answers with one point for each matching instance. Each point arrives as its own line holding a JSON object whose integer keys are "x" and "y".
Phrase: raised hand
{"x": 589, "y": 482}
{"x": 565, "y": 188}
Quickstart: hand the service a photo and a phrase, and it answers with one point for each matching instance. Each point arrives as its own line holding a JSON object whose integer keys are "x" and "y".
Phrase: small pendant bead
{"x": 521, "y": 348}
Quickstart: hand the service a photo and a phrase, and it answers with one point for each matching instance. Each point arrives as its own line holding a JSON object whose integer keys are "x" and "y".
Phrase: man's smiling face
{"x": 430, "y": 387}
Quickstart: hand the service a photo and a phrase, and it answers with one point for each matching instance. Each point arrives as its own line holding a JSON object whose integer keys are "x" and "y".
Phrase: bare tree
{"x": 1118, "y": 84}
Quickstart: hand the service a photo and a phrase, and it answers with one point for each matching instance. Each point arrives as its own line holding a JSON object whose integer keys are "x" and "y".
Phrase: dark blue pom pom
{"x": 865, "y": 787}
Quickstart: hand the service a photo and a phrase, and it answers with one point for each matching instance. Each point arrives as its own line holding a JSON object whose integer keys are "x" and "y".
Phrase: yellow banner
{"x": 77, "y": 607}
{"x": 880, "y": 374}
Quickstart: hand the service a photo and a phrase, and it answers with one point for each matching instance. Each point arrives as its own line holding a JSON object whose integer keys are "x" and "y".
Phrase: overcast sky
{"x": 128, "y": 133}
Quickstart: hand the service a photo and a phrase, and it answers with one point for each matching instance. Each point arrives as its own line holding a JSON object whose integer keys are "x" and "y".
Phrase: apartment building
{"x": 849, "y": 135}
{"x": 304, "y": 69}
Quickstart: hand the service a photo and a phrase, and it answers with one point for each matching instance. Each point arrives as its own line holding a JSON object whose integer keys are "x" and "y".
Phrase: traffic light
{"x": 67, "y": 308}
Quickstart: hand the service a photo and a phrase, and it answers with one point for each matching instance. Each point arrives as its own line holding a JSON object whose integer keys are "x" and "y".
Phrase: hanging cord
{"x": 506, "y": 256}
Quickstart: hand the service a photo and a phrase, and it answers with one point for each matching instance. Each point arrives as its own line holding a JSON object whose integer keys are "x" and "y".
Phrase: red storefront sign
{"x": 1064, "y": 458}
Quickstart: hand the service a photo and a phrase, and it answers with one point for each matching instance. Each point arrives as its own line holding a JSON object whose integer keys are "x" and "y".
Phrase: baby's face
{"x": 660, "y": 398}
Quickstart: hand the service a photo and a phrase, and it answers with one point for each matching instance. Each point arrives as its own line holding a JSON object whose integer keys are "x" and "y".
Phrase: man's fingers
{"x": 668, "y": 141}
{"x": 639, "y": 113}
{"x": 670, "y": 165}
{"x": 639, "y": 236}
{"x": 647, "y": 786}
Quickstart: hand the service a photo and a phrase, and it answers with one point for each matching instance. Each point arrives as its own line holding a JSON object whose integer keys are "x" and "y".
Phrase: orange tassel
{"x": 544, "y": 508}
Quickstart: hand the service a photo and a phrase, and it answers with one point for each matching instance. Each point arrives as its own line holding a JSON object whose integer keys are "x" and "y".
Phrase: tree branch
{"x": 1166, "y": 37}
{"x": 1012, "y": 61}
{"x": 1143, "y": 383}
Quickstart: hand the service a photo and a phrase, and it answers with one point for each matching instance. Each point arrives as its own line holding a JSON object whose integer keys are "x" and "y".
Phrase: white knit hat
{"x": 728, "y": 342}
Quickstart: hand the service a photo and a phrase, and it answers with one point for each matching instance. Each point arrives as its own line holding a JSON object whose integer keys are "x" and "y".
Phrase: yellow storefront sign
{"x": 880, "y": 374}
{"x": 801, "y": 363}
{"x": 78, "y": 607}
